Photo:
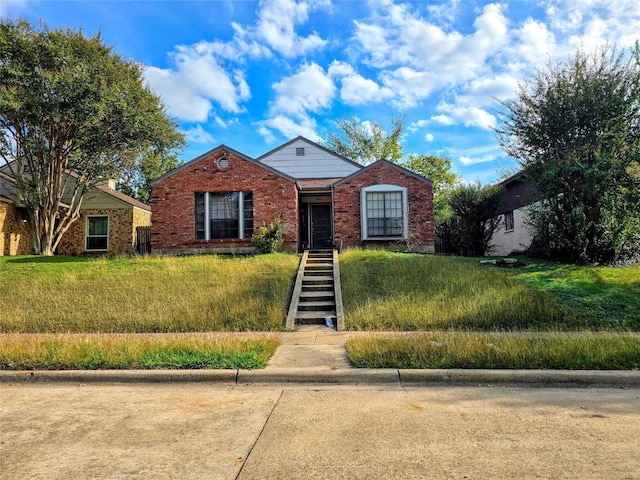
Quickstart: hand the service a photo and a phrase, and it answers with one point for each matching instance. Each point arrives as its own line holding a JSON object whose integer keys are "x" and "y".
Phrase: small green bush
{"x": 268, "y": 239}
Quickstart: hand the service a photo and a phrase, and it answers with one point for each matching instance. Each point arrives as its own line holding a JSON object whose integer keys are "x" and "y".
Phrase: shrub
{"x": 268, "y": 239}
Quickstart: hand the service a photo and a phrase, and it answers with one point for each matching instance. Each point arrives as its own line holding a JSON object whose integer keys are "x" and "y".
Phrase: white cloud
{"x": 429, "y": 137}
{"x": 289, "y": 128}
{"x": 199, "y": 135}
{"x": 470, "y": 116}
{"x": 277, "y": 20}
{"x": 309, "y": 90}
{"x": 197, "y": 81}
{"x": 355, "y": 89}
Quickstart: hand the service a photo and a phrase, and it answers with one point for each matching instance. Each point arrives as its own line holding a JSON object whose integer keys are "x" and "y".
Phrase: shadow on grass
{"x": 37, "y": 259}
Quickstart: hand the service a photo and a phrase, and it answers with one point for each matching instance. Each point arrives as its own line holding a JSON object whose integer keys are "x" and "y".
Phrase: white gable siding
{"x": 315, "y": 163}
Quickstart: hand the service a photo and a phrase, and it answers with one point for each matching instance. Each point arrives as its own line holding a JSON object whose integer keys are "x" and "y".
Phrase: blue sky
{"x": 254, "y": 74}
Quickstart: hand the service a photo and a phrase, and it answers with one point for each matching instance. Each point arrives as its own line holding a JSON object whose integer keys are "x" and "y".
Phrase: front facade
{"x": 216, "y": 202}
{"x": 107, "y": 224}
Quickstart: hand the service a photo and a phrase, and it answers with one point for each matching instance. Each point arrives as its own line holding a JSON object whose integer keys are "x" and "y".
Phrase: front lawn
{"x": 395, "y": 291}
{"x": 145, "y": 294}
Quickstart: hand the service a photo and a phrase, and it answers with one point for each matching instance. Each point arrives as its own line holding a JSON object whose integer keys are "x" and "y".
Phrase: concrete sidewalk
{"x": 317, "y": 355}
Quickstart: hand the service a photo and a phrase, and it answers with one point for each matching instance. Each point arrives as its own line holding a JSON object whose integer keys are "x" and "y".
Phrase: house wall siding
{"x": 348, "y": 228}
{"x": 15, "y": 235}
{"x": 121, "y": 232}
{"x": 315, "y": 163}
{"x": 173, "y": 203}
{"x": 519, "y": 239}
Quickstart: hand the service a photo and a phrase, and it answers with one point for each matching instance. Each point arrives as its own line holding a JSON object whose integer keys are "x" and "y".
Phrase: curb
{"x": 538, "y": 378}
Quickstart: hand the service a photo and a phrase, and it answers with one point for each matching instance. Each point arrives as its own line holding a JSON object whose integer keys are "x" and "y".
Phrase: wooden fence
{"x": 143, "y": 240}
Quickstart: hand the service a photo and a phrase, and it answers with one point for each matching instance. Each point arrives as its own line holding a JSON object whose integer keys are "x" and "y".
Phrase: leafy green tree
{"x": 366, "y": 143}
{"x": 575, "y": 128}
{"x": 136, "y": 180}
{"x": 469, "y": 229}
{"x": 438, "y": 170}
{"x": 72, "y": 112}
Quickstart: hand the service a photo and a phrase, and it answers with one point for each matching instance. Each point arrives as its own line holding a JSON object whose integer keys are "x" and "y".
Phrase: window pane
{"x": 248, "y": 214}
{"x": 384, "y": 214}
{"x": 223, "y": 215}
{"x": 98, "y": 225}
{"x": 96, "y": 243}
{"x": 199, "y": 212}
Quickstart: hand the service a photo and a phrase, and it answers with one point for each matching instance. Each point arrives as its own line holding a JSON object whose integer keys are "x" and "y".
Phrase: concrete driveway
{"x": 218, "y": 431}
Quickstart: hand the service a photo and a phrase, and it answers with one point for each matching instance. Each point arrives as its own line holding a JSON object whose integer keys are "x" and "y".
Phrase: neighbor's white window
{"x": 508, "y": 221}
{"x": 97, "y": 233}
{"x": 384, "y": 212}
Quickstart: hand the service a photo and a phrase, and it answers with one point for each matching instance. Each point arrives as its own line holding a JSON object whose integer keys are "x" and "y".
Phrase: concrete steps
{"x": 316, "y": 295}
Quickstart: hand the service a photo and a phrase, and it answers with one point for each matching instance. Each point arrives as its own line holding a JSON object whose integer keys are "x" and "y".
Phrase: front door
{"x": 321, "y": 233}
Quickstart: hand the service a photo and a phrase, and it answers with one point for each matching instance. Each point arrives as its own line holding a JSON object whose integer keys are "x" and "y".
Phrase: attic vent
{"x": 223, "y": 163}
{"x": 300, "y": 152}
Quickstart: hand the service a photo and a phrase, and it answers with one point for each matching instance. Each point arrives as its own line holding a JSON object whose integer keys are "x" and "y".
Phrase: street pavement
{"x": 309, "y": 415}
{"x": 230, "y": 431}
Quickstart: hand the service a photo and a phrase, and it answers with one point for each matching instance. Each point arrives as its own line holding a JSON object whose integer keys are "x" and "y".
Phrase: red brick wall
{"x": 173, "y": 202}
{"x": 348, "y": 228}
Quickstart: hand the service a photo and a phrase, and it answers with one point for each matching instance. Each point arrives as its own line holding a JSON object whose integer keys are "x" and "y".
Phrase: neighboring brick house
{"x": 107, "y": 223}
{"x": 514, "y": 233}
{"x": 214, "y": 203}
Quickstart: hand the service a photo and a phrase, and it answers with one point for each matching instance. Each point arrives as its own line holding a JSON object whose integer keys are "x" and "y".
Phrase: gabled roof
{"x": 217, "y": 149}
{"x": 384, "y": 162}
{"x": 103, "y": 188}
{"x": 122, "y": 197}
{"x": 317, "y": 145}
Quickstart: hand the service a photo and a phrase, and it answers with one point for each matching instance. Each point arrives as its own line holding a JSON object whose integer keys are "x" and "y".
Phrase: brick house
{"x": 107, "y": 223}
{"x": 213, "y": 203}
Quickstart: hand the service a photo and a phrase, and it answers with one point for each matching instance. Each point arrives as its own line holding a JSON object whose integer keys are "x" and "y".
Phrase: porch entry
{"x": 320, "y": 225}
{"x": 316, "y": 223}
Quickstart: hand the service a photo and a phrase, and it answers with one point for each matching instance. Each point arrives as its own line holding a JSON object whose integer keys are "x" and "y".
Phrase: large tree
{"x": 72, "y": 112}
{"x": 366, "y": 142}
{"x": 575, "y": 128}
{"x": 467, "y": 231}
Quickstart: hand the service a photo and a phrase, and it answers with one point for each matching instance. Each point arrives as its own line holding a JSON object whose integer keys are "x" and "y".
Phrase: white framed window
{"x": 508, "y": 221}
{"x": 384, "y": 212}
{"x": 97, "y": 233}
{"x": 221, "y": 215}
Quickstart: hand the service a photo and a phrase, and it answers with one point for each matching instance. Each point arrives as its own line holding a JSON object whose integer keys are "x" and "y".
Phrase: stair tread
{"x": 315, "y": 278}
{"x": 318, "y": 303}
{"x": 315, "y": 314}
{"x": 317, "y": 294}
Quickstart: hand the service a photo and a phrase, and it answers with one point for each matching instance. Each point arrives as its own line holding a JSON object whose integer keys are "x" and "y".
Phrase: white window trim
{"x": 363, "y": 210}
{"x": 513, "y": 221}
{"x": 86, "y": 234}
{"x": 207, "y": 211}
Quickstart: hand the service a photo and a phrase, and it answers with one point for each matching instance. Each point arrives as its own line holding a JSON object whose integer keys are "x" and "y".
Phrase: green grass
{"x": 145, "y": 294}
{"x": 135, "y": 351}
{"x": 407, "y": 292}
{"x": 603, "y": 296}
{"x": 524, "y": 350}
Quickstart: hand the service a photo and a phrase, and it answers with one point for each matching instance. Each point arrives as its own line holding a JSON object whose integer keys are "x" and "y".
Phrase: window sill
{"x": 384, "y": 239}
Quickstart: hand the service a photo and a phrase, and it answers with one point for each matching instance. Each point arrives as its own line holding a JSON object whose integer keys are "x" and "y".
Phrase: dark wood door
{"x": 321, "y": 234}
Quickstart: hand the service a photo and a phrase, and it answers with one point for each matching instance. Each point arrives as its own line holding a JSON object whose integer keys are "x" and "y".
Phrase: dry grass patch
{"x": 512, "y": 350}
{"x": 150, "y": 294}
{"x": 136, "y": 351}
{"x": 395, "y": 291}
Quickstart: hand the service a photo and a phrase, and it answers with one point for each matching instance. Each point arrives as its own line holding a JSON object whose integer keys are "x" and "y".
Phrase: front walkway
{"x": 313, "y": 347}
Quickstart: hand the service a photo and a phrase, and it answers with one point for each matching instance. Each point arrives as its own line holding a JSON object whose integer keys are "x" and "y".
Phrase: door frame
{"x": 310, "y": 222}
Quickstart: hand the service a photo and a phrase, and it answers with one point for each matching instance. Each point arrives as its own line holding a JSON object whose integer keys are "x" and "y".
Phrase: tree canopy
{"x": 72, "y": 113}
{"x": 366, "y": 142}
{"x": 575, "y": 128}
